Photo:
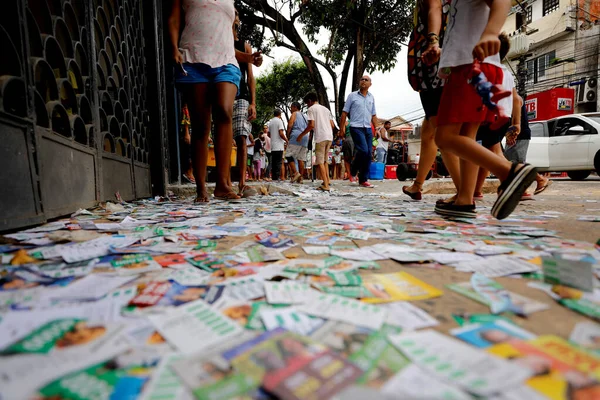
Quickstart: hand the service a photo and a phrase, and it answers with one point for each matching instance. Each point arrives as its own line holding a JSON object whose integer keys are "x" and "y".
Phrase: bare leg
{"x": 452, "y": 139}
{"x": 200, "y": 116}
{"x": 324, "y": 175}
{"x": 427, "y": 154}
{"x": 223, "y": 109}
{"x": 483, "y": 173}
{"x": 293, "y": 170}
{"x": 468, "y": 170}
{"x": 242, "y": 160}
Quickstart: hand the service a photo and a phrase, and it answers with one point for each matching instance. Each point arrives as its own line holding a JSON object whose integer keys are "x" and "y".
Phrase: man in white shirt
{"x": 278, "y": 143}
{"x": 383, "y": 141}
{"x": 321, "y": 121}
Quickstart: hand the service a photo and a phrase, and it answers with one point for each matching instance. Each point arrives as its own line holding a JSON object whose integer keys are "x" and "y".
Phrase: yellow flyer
{"x": 553, "y": 377}
{"x": 562, "y": 350}
{"x": 399, "y": 286}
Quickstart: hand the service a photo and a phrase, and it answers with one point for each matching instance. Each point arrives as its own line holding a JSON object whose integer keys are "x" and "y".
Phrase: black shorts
{"x": 430, "y": 99}
{"x": 489, "y": 137}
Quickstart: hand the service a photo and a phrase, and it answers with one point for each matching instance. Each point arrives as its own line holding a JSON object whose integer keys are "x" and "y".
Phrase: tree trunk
{"x": 344, "y": 83}
{"x": 287, "y": 29}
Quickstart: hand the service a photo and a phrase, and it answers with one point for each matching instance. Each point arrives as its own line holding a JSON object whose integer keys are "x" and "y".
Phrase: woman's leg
{"x": 197, "y": 96}
{"x": 224, "y": 97}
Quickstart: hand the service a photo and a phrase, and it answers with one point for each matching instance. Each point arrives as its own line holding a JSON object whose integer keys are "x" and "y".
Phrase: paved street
{"x": 348, "y": 275}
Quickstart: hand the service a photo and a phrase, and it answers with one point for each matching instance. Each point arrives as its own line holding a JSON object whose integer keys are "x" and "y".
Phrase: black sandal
{"x": 455, "y": 211}
{"x": 512, "y": 188}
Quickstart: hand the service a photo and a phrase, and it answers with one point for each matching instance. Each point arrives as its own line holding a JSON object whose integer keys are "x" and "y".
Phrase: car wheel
{"x": 578, "y": 175}
{"x": 429, "y": 175}
{"x": 402, "y": 172}
{"x": 597, "y": 162}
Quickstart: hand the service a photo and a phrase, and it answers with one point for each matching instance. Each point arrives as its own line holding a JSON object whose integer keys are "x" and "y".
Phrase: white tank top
{"x": 466, "y": 22}
{"x": 208, "y": 35}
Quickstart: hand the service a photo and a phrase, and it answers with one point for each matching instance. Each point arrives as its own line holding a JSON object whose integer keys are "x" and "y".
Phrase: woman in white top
{"x": 208, "y": 74}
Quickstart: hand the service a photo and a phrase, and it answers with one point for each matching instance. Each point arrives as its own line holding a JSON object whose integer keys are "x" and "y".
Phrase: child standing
{"x": 472, "y": 33}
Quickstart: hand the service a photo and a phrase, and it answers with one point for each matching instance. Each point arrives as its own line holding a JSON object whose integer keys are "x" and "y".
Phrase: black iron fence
{"x": 82, "y": 100}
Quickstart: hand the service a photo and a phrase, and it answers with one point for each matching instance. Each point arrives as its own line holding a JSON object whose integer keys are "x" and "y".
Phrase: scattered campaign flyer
{"x": 273, "y": 240}
{"x": 183, "y": 326}
{"x": 245, "y": 288}
{"x": 491, "y": 333}
{"x": 560, "y": 371}
{"x": 527, "y": 305}
{"x": 165, "y": 384}
{"x": 460, "y": 364}
{"x": 397, "y": 286}
{"x": 290, "y": 319}
{"x": 357, "y": 234}
{"x": 54, "y": 350}
{"x": 408, "y": 316}
{"x": 498, "y": 298}
{"x": 291, "y": 366}
{"x": 568, "y": 272}
{"x": 414, "y": 383}
{"x": 339, "y": 308}
{"x": 316, "y": 250}
{"x": 288, "y": 292}
{"x": 90, "y": 287}
{"x": 496, "y": 266}
{"x": 587, "y": 334}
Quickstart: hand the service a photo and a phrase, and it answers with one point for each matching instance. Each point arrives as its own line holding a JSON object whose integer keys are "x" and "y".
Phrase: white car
{"x": 568, "y": 144}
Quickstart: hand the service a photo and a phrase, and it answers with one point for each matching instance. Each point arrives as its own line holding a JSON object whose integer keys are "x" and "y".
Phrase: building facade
{"x": 554, "y": 44}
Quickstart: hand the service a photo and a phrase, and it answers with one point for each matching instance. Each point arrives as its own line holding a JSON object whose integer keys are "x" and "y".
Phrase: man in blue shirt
{"x": 360, "y": 106}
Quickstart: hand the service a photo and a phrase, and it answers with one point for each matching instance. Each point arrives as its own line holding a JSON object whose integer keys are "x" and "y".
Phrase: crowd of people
{"x": 458, "y": 86}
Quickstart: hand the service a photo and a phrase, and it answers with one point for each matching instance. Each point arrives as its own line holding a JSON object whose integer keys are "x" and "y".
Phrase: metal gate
{"x": 81, "y": 100}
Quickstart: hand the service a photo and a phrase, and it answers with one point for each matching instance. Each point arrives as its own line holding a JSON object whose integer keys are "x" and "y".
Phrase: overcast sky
{"x": 393, "y": 94}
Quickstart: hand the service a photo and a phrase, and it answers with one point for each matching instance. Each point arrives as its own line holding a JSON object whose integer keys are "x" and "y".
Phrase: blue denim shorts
{"x": 203, "y": 73}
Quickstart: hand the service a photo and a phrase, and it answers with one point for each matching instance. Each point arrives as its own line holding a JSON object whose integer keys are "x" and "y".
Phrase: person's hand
{"x": 187, "y": 139}
{"x": 251, "y": 112}
{"x": 257, "y": 58}
{"x": 177, "y": 57}
{"x": 298, "y": 139}
{"x": 431, "y": 55}
{"x": 487, "y": 46}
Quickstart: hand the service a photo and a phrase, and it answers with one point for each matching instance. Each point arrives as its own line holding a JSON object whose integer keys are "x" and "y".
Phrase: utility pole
{"x": 522, "y": 76}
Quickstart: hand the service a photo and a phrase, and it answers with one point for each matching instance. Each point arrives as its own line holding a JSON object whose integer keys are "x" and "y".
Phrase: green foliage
{"x": 284, "y": 83}
{"x": 386, "y": 24}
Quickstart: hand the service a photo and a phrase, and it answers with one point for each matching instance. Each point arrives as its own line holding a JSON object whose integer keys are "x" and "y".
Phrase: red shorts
{"x": 460, "y": 102}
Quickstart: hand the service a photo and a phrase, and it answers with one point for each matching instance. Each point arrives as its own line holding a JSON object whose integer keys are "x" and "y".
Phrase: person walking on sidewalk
{"x": 278, "y": 142}
{"x": 244, "y": 111}
{"x": 266, "y": 142}
{"x": 296, "y": 151}
{"x": 473, "y": 29}
{"x": 383, "y": 141}
{"x": 424, "y": 52}
{"x": 516, "y": 151}
{"x": 321, "y": 121}
{"x": 360, "y": 107}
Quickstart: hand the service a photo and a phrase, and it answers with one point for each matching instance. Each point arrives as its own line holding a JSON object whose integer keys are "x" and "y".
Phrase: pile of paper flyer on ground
{"x": 288, "y": 297}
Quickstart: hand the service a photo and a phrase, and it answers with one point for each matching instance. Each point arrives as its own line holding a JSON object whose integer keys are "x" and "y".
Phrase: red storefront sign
{"x": 550, "y": 104}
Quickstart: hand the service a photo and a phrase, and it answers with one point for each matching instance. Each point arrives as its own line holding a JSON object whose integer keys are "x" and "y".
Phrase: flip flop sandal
{"x": 248, "y": 191}
{"x": 511, "y": 190}
{"x": 414, "y": 196}
{"x": 323, "y": 189}
{"x": 540, "y": 190}
{"x": 227, "y": 197}
{"x": 188, "y": 179}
